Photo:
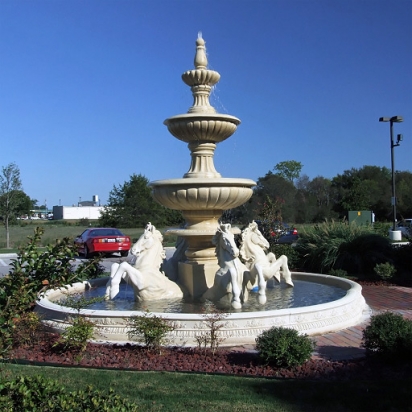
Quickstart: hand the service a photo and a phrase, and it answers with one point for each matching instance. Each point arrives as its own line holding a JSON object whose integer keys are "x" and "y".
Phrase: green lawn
{"x": 58, "y": 230}
{"x": 168, "y": 391}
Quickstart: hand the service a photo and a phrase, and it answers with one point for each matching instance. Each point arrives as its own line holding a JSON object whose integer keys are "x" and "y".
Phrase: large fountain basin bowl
{"x": 240, "y": 328}
{"x": 202, "y": 193}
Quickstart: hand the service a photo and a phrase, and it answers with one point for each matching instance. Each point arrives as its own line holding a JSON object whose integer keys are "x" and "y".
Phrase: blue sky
{"x": 86, "y": 85}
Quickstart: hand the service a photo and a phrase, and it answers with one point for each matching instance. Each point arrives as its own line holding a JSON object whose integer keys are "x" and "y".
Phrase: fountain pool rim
{"x": 241, "y": 328}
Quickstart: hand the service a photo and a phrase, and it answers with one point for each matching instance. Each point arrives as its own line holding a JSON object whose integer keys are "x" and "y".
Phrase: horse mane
{"x": 245, "y": 235}
{"x": 216, "y": 240}
{"x": 224, "y": 227}
{"x": 161, "y": 256}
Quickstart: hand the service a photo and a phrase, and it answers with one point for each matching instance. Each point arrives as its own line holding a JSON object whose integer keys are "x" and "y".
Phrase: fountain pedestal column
{"x": 198, "y": 271}
{"x": 197, "y": 278}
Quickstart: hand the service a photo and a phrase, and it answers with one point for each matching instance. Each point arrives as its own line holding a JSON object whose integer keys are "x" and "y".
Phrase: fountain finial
{"x": 200, "y": 57}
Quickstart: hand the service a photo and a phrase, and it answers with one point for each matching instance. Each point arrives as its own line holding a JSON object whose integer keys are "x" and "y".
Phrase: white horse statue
{"x": 264, "y": 266}
{"x": 233, "y": 275}
{"x": 145, "y": 277}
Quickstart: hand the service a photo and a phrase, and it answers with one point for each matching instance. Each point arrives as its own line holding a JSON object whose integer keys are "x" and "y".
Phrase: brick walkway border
{"x": 346, "y": 344}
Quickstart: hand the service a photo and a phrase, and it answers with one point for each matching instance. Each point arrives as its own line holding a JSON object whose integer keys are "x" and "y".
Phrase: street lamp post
{"x": 392, "y": 120}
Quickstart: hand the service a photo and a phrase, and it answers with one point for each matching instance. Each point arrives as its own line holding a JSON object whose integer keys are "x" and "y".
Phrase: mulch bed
{"x": 194, "y": 360}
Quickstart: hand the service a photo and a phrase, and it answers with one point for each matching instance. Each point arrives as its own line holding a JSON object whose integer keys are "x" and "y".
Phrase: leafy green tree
{"x": 313, "y": 200}
{"x": 289, "y": 169}
{"x": 274, "y": 186}
{"x": 132, "y": 205}
{"x": 368, "y": 188}
{"x": 10, "y": 198}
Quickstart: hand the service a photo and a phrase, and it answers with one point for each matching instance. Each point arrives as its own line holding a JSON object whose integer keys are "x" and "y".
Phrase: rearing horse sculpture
{"x": 265, "y": 266}
{"x": 145, "y": 277}
{"x": 232, "y": 277}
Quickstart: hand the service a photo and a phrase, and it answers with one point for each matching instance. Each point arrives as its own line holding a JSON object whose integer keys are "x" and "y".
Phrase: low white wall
{"x": 241, "y": 328}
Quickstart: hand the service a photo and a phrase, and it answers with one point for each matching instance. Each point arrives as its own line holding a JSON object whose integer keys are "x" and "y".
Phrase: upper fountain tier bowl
{"x": 205, "y": 127}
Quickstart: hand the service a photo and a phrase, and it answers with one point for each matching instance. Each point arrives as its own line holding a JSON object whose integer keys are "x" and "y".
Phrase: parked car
{"x": 278, "y": 232}
{"x": 405, "y": 226}
{"x": 289, "y": 237}
{"x": 102, "y": 240}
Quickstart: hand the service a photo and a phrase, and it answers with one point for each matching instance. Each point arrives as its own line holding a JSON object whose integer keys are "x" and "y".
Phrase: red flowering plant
{"x": 270, "y": 218}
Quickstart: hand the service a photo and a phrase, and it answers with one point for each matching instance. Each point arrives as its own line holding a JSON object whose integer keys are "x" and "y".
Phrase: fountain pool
{"x": 241, "y": 327}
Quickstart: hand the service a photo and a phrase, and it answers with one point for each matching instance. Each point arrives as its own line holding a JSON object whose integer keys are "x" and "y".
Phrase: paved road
{"x": 6, "y": 259}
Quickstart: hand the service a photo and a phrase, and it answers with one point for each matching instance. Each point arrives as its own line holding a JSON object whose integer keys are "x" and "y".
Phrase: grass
{"x": 170, "y": 391}
{"x": 58, "y": 230}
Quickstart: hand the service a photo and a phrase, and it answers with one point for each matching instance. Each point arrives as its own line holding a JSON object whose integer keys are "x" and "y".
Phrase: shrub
{"x": 363, "y": 253}
{"x": 25, "y": 393}
{"x": 339, "y": 245}
{"x": 390, "y": 336}
{"x": 151, "y": 330}
{"x": 76, "y": 335}
{"x": 81, "y": 330}
{"x": 34, "y": 271}
{"x": 83, "y": 222}
{"x": 385, "y": 271}
{"x": 213, "y": 322}
{"x": 284, "y": 347}
{"x": 26, "y": 329}
{"x": 403, "y": 263}
{"x": 340, "y": 273}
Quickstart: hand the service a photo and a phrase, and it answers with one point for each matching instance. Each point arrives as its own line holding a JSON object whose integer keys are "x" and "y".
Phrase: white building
{"x": 76, "y": 212}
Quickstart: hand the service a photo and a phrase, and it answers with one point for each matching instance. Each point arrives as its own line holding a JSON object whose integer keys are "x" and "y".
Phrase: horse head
{"x": 225, "y": 243}
{"x": 149, "y": 241}
{"x": 253, "y": 243}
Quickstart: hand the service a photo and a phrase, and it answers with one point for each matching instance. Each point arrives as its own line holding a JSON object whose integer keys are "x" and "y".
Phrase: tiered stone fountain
{"x": 202, "y": 194}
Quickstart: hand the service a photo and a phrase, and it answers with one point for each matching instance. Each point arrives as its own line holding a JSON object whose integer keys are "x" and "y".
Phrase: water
{"x": 279, "y": 297}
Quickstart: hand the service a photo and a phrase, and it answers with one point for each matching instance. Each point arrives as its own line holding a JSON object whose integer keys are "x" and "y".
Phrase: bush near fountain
{"x": 389, "y": 336}
{"x": 35, "y": 271}
{"x": 284, "y": 347}
{"x": 357, "y": 250}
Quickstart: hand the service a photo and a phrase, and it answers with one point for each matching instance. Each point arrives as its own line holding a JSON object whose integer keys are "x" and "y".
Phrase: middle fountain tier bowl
{"x": 208, "y": 196}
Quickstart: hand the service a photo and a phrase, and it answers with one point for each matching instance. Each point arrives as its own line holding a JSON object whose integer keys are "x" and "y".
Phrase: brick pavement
{"x": 346, "y": 344}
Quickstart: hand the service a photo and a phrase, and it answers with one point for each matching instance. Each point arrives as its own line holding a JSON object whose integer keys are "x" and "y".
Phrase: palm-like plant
{"x": 339, "y": 245}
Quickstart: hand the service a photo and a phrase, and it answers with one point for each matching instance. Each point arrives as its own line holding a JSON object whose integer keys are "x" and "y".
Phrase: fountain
{"x": 203, "y": 195}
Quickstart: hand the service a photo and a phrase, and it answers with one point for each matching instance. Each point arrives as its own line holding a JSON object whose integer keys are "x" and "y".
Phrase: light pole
{"x": 392, "y": 120}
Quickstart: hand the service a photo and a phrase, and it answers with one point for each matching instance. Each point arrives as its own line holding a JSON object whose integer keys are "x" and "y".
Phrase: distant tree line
{"x": 297, "y": 198}
{"x": 282, "y": 194}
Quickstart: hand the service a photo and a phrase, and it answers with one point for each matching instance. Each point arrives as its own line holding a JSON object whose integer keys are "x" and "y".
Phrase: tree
{"x": 289, "y": 169}
{"x": 368, "y": 188}
{"x": 24, "y": 205}
{"x": 276, "y": 188}
{"x": 10, "y": 189}
{"x": 132, "y": 205}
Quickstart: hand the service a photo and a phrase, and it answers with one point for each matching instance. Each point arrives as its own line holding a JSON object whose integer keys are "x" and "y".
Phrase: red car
{"x": 102, "y": 240}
